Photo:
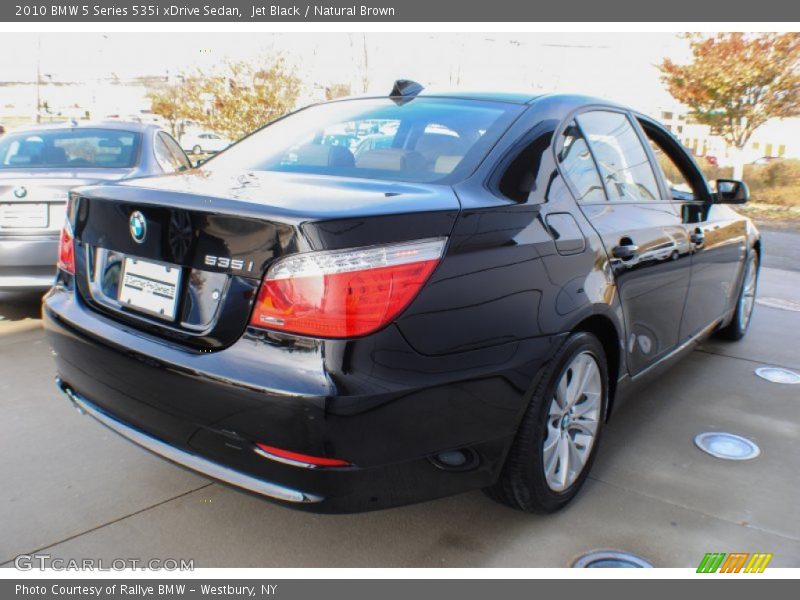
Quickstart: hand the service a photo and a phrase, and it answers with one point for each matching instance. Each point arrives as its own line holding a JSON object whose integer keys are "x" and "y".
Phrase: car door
{"x": 645, "y": 239}
{"x": 718, "y": 236}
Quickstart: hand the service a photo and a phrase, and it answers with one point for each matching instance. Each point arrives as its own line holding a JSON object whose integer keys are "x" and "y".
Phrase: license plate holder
{"x": 150, "y": 287}
{"x": 23, "y": 215}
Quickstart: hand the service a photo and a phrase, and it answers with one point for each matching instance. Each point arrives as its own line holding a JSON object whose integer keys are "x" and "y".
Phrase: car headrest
{"x": 29, "y": 148}
{"x": 54, "y": 155}
{"x": 391, "y": 159}
{"x": 319, "y": 155}
{"x": 446, "y": 163}
{"x": 434, "y": 145}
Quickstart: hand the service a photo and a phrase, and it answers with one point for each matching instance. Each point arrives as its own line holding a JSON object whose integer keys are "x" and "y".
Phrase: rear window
{"x": 69, "y": 149}
{"x": 421, "y": 140}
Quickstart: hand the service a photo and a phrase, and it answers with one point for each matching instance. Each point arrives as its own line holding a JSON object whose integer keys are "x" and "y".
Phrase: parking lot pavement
{"x": 74, "y": 490}
{"x": 782, "y": 245}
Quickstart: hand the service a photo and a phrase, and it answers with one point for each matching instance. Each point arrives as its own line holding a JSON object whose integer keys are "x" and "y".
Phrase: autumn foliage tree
{"x": 244, "y": 97}
{"x": 337, "y": 90}
{"x": 233, "y": 101}
{"x": 736, "y": 82}
{"x": 172, "y": 104}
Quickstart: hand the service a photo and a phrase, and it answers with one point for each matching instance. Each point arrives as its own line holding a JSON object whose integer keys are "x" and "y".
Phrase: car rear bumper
{"x": 182, "y": 458}
{"x": 206, "y": 411}
{"x": 28, "y": 262}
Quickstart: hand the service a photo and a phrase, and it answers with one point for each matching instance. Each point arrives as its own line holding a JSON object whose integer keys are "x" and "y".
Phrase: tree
{"x": 171, "y": 103}
{"x": 363, "y": 67}
{"x": 233, "y": 102}
{"x": 736, "y": 82}
{"x": 244, "y": 97}
{"x": 337, "y": 90}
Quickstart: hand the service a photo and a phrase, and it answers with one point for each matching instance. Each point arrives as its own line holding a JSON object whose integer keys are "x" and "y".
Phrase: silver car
{"x": 39, "y": 166}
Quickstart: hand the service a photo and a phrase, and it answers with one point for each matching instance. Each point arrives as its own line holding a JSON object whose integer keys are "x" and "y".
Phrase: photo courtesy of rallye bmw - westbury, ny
{"x": 450, "y": 307}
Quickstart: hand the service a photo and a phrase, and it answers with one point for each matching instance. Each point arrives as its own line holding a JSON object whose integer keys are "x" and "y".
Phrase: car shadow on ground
{"x": 18, "y": 306}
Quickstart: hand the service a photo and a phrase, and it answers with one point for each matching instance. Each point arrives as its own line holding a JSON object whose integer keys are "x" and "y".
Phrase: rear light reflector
{"x": 344, "y": 293}
{"x": 66, "y": 249}
{"x": 299, "y": 460}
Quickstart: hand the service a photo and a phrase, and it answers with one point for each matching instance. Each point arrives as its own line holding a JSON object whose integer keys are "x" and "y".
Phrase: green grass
{"x": 774, "y": 191}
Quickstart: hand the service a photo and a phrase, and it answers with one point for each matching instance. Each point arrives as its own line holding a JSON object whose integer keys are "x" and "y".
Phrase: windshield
{"x": 422, "y": 140}
{"x": 69, "y": 149}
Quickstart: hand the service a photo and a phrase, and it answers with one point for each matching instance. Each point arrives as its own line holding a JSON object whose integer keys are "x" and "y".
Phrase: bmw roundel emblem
{"x": 138, "y": 226}
{"x": 20, "y": 191}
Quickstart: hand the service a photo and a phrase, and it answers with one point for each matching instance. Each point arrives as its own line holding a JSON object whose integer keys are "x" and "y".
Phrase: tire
{"x": 197, "y": 150}
{"x": 523, "y": 483}
{"x": 737, "y": 328}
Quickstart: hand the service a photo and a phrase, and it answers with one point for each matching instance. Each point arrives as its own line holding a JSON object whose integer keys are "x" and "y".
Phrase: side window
{"x": 168, "y": 161}
{"x": 578, "y": 167}
{"x": 683, "y": 179}
{"x": 620, "y": 156}
{"x": 177, "y": 152}
{"x": 521, "y": 177}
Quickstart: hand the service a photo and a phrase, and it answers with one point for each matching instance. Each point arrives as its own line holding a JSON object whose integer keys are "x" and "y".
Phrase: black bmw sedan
{"x": 38, "y": 167}
{"x": 462, "y": 306}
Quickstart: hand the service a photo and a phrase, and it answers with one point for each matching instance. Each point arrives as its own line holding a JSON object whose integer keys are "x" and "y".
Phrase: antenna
{"x": 405, "y": 88}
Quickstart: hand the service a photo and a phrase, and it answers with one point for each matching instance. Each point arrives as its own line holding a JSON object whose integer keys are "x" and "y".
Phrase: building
{"x": 777, "y": 138}
{"x": 100, "y": 99}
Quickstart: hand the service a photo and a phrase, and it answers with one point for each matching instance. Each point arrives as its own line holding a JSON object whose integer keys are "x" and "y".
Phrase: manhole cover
{"x": 781, "y": 303}
{"x": 610, "y": 559}
{"x": 726, "y": 445}
{"x": 778, "y": 375}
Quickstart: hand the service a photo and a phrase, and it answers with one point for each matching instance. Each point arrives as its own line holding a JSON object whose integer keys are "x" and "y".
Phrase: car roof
{"x": 111, "y": 125}
{"x": 569, "y": 101}
{"x": 508, "y": 97}
{"x": 499, "y": 96}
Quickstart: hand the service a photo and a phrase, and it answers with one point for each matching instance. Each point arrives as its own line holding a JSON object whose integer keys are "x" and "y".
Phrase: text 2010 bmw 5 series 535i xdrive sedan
{"x": 459, "y": 307}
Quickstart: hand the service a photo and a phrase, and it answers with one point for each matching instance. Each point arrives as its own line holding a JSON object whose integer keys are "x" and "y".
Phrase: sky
{"x": 616, "y": 66}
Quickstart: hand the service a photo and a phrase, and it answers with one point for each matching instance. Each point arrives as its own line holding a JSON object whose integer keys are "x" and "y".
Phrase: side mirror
{"x": 731, "y": 191}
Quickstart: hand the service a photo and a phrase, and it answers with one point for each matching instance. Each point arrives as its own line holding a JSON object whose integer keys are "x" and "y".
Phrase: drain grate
{"x": 778, "y": 375}
{"x": 727, "y": 445}
{"x": 780, "y": 303}
{"x": 610, "y": 559}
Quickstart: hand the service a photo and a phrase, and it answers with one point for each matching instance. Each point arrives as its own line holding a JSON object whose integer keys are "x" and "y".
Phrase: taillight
{"x": 66, "y": 249}
{"x": 344, "y": 293}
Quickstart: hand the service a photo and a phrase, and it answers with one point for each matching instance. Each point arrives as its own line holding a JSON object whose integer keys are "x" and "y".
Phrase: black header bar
{"x": 388, "y": 11}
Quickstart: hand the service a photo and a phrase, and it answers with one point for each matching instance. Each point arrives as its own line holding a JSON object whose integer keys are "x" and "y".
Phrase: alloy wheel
{"x": 572, "y": 422}
{"x": 748, "y": 293}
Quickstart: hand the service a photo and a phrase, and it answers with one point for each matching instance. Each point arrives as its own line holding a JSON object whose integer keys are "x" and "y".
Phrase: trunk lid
{"x": 33, "y": 202}
{"x": 223, "y": 230}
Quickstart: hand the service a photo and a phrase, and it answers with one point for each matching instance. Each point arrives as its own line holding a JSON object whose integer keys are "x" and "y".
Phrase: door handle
{"x": 625, "y": 251}
{"x": 697, "y": 237}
